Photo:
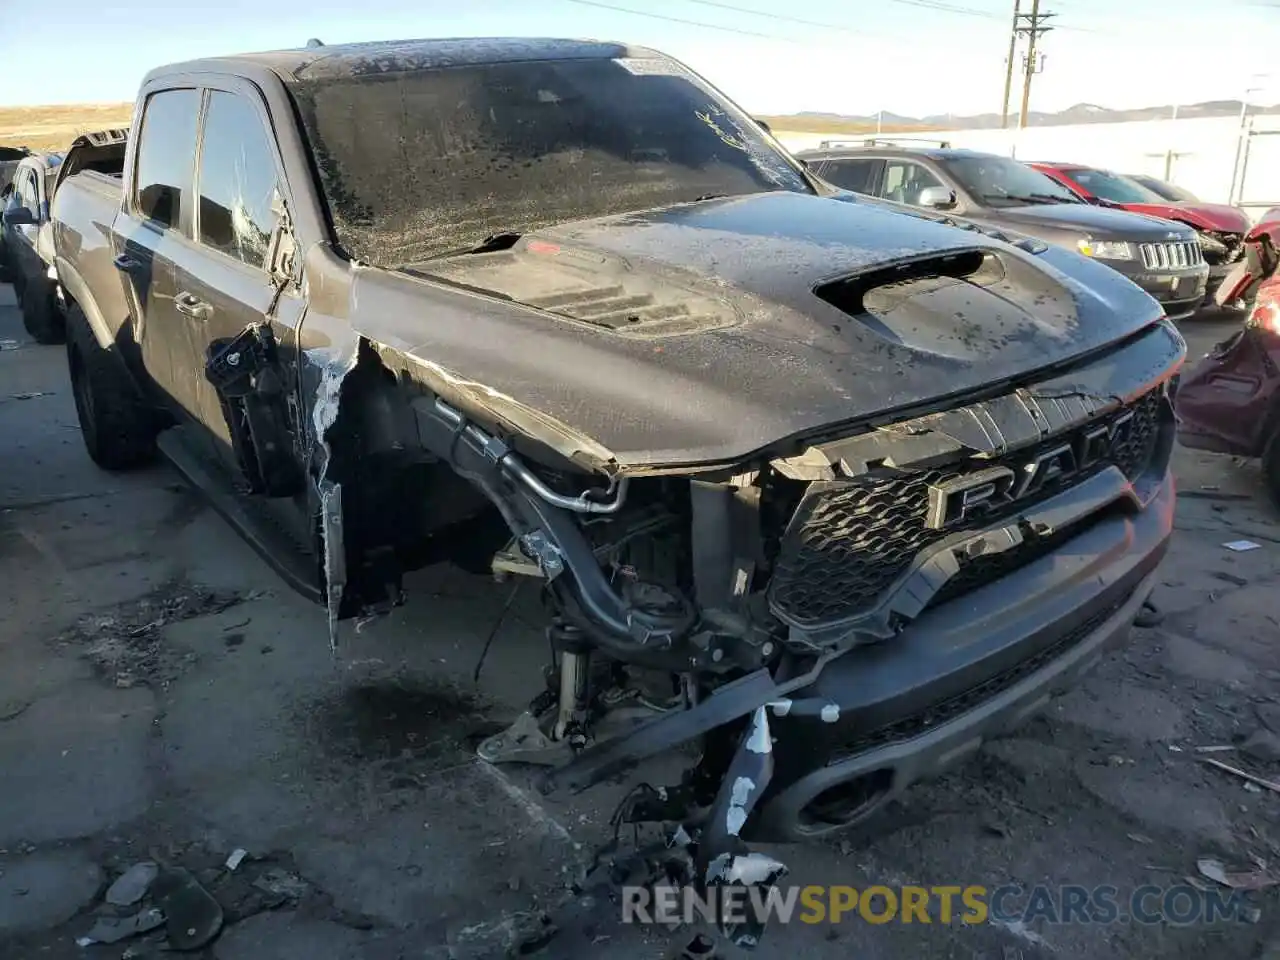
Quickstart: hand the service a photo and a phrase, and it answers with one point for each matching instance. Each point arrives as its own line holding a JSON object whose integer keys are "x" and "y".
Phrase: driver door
{"x": 22, "y": 237}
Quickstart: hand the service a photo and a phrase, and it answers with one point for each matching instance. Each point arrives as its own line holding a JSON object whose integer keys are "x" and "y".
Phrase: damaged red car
{"x": 1230, "y": 402}
{"x": 1220, "y": 227}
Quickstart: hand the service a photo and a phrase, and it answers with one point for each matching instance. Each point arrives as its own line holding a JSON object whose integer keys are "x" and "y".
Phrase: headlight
{"x": 1106, "y": 249}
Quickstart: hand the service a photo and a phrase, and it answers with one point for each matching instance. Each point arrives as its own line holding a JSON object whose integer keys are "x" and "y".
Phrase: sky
{"x": 912, "y": 57}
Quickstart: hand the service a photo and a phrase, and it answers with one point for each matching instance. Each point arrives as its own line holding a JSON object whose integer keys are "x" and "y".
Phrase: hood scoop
{"x": 586, "y": 286}
{"x": 963, "y": 305}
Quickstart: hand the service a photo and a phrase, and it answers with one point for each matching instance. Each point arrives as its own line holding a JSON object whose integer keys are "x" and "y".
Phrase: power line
{"x": 782, "y": 17}
{"x": 688, "y": 23}
{"x": 938, "y": 5}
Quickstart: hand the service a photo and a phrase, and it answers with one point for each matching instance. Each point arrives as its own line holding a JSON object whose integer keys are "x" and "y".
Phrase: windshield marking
{"x": 708, "y": 117}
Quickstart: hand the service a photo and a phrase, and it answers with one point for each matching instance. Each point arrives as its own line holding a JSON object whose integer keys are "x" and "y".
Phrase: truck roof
{"x": 395, "y": 56}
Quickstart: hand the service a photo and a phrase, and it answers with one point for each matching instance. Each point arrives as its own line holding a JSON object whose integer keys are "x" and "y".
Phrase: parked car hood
{"x": 1203, "y": 216}
{"x": 1098, "y": 222}
{"x": 703, "y": 333}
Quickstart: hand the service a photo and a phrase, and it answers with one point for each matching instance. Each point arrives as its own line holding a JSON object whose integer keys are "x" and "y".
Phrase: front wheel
{"x": 119, "y": 430}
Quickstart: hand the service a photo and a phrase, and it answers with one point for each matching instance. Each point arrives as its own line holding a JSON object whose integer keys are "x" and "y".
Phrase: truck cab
{"x": 834, "y": 490}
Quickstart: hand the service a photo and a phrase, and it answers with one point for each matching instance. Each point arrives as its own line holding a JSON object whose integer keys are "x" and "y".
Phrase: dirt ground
{"x": 54, "y": 127}
{"x": 163, "y": 697}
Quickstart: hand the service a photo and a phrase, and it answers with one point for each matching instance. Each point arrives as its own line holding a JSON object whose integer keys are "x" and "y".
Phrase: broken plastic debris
{"x": 1240, "y": 546}
{"x": 131, "y": 886}
{"x": 31, "y": 395}
{"x": 192, "y": 916}
{"x": 1235, "y": 879}
{"x": 236, "y": 858}
{"x": 115, "y": 929}
{"x": 9, "y": 344}
{"x": 749, "y": 869}
{"x": 282, "y": 884}
{"x": 1251, "y": 778}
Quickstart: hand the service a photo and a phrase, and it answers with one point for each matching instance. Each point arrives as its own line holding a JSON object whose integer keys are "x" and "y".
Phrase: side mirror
{"x": 936, "y": 198}
{"x": 18, "y": 217}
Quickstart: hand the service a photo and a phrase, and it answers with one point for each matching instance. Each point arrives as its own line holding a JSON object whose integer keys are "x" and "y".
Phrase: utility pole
{"x": 1008, "y": 66}
{"x": 1032, "y": 24}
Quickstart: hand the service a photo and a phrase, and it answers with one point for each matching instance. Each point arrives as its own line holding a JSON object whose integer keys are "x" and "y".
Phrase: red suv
{"x": 1230, "y": 401}
{"x": 1221, "y": 228}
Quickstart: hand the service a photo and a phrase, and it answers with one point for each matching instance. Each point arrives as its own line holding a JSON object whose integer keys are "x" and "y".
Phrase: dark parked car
{"x": 26, "y": 233}
{"x": 25, "y": 251}
{"x": 831, "y": 490}
{"x": 1164, "y": 259}
{"x": 10, "y": 157}
{"x": 1220, "y": 227}
{"x": 1230, "y": 401}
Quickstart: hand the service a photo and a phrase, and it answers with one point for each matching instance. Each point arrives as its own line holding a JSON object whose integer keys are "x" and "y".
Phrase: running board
{"x": 248, "y": 516}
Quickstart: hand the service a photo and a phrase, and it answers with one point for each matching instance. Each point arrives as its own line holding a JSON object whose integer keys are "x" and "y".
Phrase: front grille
{"x": 943, "y": 711}
{"x": 1171, "y": 256}
{"x": 848, "y": 544}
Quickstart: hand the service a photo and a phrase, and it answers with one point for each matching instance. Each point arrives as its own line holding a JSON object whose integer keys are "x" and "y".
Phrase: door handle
{"x": 126, "y": 264}
{"x": 189, "y": 305}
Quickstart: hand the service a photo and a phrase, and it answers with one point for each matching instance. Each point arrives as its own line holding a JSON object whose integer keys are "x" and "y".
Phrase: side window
{"x": 166, "y": 146}
{"x": 27, "y": 196}
{"x": 237, "y": 180}
{"x": 904, "y": 180}
{"x": 857, "y": 175}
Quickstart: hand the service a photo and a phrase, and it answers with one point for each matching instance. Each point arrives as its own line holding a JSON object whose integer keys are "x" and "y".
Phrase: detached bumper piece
{"x": 708, "y": 858}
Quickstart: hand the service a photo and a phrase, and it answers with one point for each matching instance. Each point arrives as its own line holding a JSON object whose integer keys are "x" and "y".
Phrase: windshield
{"x": 1169, "y": 191}
{"x": 422, "y": 163}
{"x": 1113, "y": 187}
{"x": 1004, "y": 182}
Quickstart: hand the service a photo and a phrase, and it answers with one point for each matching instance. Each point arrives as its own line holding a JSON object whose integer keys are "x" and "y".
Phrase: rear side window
{"x": 27, "y": 195}
{"x": 860, "y": 176}
{"x": 237, "y": 180}
{"x": 166, "y": 154}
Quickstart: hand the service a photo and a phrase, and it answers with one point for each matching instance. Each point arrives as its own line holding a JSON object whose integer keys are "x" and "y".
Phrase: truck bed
{"x": 84, "y": 208}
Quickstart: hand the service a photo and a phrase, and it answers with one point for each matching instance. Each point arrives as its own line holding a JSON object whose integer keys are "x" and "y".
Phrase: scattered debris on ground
{"x": 127, "y": 647}
{"x": 132, "y": 885}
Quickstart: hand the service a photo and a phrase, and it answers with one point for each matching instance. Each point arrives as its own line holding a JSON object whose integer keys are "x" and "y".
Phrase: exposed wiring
{"x": 493, "y": 632}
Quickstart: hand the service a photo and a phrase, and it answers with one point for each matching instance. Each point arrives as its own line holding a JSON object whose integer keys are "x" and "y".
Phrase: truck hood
{"x": 1100, "y": 223}
{"x": 1218, "y": 217}
{"x": 707, "y": 332}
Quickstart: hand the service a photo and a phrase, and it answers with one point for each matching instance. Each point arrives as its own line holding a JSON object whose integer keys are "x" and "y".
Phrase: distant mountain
{"x": 1080, "y": 113}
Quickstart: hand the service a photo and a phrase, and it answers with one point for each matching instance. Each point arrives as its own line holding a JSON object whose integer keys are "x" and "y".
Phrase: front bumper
{"x": 1180, "y": 292}
{"x": 905, "y": 710}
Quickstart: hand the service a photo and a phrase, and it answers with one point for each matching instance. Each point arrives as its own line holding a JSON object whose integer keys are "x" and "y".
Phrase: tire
{"x": 119, "y": 430}
{"x": 40, "y": 314}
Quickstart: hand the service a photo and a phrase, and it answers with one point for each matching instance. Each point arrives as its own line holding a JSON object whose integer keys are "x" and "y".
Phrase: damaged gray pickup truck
{"x": 830, "y": 490}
